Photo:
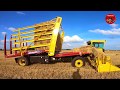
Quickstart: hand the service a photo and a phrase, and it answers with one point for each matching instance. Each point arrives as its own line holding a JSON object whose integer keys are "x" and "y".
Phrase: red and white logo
{"x": 110, "y": 18}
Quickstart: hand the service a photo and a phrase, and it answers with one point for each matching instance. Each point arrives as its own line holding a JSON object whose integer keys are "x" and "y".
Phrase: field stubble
{"x": 60, "y": 70}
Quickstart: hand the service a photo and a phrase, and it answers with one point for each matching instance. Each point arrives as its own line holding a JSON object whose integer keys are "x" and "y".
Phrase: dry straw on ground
{"x": 60, "y": 70}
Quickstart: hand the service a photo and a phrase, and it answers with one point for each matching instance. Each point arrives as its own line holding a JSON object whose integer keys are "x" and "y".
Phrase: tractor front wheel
{"x": 78, "y": 62}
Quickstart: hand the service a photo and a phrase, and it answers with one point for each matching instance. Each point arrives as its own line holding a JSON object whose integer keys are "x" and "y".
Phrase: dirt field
{"x": 60, "y": 70}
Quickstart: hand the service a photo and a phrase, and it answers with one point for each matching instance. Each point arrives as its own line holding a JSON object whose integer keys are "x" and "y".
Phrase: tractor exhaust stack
{"x": 11, "y": 45}
{"x": 5, "y": 52}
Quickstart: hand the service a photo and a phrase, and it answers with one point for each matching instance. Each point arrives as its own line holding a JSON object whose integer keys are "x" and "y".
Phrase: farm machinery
{"x": 43, "y": 42}
{"x": 99, "y": 44}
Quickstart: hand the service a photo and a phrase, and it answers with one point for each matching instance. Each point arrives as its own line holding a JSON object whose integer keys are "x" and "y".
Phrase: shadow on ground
{"x": 76, "y": 74}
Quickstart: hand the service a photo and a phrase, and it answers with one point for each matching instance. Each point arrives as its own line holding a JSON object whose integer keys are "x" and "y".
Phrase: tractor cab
{"x": 97, "y": 43}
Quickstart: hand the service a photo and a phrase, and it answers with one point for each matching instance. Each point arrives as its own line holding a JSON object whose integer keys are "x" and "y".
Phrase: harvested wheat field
{"x": 60, "y": 70}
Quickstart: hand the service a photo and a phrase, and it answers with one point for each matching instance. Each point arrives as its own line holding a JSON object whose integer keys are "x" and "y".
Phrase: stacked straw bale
{"x": 97, "y": 53}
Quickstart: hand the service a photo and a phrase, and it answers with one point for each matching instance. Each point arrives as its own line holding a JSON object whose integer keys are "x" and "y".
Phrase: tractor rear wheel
{"x": 23, "y": 61}
{"x": 78, "y": 62}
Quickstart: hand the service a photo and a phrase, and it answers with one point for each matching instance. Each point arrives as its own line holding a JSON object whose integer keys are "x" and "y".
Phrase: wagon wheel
{"x": 23, "y": 61}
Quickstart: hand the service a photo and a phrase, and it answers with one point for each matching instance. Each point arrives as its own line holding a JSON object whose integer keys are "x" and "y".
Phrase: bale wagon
{"x": 43, "y": 42}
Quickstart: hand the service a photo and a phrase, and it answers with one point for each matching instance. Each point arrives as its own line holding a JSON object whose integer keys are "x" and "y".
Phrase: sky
{"x": 79, "y": 26}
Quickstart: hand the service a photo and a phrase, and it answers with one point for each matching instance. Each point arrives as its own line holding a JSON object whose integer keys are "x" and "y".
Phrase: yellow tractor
{"x": 102, "y": 65}
{"x": 99, "y": 44}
